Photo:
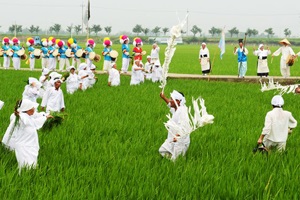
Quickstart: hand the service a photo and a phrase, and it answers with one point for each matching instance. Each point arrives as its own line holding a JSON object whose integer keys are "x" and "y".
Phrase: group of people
{"x": 262, "y": 53}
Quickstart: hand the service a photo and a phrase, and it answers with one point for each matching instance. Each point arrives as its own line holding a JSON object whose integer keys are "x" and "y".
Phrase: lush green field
{"x": 186, "y": 60}
{"x": 107, "y": 148}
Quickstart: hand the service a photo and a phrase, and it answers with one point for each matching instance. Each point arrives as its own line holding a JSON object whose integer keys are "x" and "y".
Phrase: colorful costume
{"x": 262, "y": 62}
{"x": 124, "y": 40}
{"x": 107, "y": 49}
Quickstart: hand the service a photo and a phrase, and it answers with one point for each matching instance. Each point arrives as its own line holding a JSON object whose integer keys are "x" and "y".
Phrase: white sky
{"x": 124, "y": 15}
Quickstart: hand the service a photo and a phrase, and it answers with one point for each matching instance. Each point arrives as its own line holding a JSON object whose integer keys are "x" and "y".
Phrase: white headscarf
{"x": 277, "y": 100}
{"x": 1, "y": 104}
{"x": 175, "y": 95}
{"x": 26, "y": 105}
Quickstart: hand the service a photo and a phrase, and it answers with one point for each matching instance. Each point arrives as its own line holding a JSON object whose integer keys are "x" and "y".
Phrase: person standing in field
{"x": 6, "y": 47}
{"x": 155, "y": 53}
{"x": 204, "y": 59}
{"x": 262, "y": 62}
{"x": 16, "y": 58}
{"x": 242, "y": 53}
{"x": 90, "y": 45}
{"x": 45, "y": 55}
{"x": 286, "y": 53}
{"x": 175, "y": 145}
{"x": 53, "y": 98}
{"x": 21, "y": 134}
{"x": 137, "y": 50}
{"x": 52, "y": 58}
{"x": 113, "y": 75}
{"x": 30, "y": 43}
{"x": 278, "y": 124}
{"x": 107, "y": 49}
{"x": 124, "y": 40}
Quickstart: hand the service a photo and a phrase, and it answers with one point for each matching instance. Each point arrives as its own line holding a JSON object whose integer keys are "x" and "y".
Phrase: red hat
{"x": 60, "y": 43}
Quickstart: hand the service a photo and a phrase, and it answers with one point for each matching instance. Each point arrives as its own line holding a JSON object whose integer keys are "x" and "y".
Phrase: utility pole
{"x": 82, "y": 5}
{"x": 187, "y": 23}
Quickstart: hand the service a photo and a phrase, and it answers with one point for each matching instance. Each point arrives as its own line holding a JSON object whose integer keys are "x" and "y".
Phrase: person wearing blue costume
{"x": 30, "y": 43}
{"x": 5, "y": 47}
{"x": 74, "y": 48}
{"x": 52, "y": 58}
{"x": 242, "y": 53}
{"x": 45, "y": 55}
{"x": 16, "y": 58}
{"x": 89, "y": 48}
{"x": 107, "y": 59}
{"x": 124, "y": 40}
{"x": 63, "y": 60}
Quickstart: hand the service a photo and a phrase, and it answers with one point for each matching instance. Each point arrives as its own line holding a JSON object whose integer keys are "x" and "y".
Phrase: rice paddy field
{"x": 107, "y": 147}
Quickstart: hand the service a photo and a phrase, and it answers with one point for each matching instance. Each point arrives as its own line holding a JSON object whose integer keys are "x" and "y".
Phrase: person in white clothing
{"x": 262, "y": 62}
{"x": 32, "y": 90}
{"x": 148, "y": 68}
{"x": 83, "y": 75}
{"x": 21, "y": 134}
{"x": 278, "y": 124}
{"x": 44, "y": 80}
{"x": 72, "y": 82}
{"x": 155, "y": 53}
{"x": 156, "y": 72}
{"x": 286, "y": 52}
{"x": 113, "y": 75}
{"x": 137, "y": 75}
{"x": 175, "y": 145}
{"x": 92, "y": 78}
{"x": 53, "y": 98}
{"x": 204, "y": 59}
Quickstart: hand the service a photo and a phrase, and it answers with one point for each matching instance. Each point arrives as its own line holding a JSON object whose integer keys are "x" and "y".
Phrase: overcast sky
{"x": 124, "y": 15}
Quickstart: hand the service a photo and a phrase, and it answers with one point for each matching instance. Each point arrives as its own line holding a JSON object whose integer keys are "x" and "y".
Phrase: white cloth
{"x": 6, "y": 62}
{"x": 114, "y": 77}
{"x": 45, "y": 62}
{"x": 148, "y": 70}
{"x": 88, "y": 63}
{"x": 286, "y": 51}
{"x": 156, "y": 73}
{"x": 91, "y": 78}
{"x": 106, "y": 65}
{"x": 31, "y": 93}
{"x": 205, "y": 65}
{"x": 53, "y": 100}
{"x": 155, "y": 55}
{"x": 64, "y": 62}
{"x": 16, "y": 63}
{"x": 72, "y": 83}
{"x": 125, "y": 64}
{"x": 84, "y": 81}
{"x": 262, "y": 64}
{"x": 52, "y": 64}
{"x": 32, "y": 63}
{"x": 137, "y": 75}
{"x": 277, "y": 123}
{"x": 24, "y": 138}
{"x": 182, "y": 144}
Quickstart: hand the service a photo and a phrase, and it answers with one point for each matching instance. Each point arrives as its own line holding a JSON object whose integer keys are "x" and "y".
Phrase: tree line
{"x": 138, "y": 29}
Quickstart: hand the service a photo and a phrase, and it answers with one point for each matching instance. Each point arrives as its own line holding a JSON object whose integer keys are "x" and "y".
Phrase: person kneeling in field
{"x": 113, "y": 75}
{"x": 72, "y": 81}
{"x": 21, "y": 134}
{"x": 175, "y": 145}
{"x": 53, "y": 98}
{"x": 278, "y": 123}
{"x": 92, "y": 78}
{"x": 137, "y": 75}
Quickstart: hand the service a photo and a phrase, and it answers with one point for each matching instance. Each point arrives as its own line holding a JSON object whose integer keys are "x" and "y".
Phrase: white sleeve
{"x": 45, "y": 98}
{"x": 277, "y": 52}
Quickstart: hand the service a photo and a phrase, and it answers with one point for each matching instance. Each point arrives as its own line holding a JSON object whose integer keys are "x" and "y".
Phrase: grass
{"x": 107, "y": 148}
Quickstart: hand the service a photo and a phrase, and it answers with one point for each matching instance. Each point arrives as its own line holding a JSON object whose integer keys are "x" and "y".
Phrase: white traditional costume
{"x": 262, "y": 62}
{"x": 277, "y": 124}
{"x": 285, "y": 51}
{"x": 204, "y": 59}
{"x": 83, "y": 75}
{"x": 72, "y": 81}
{"x": 156, "y": 72}
{"x": 113, "y": 76}
{"x": 148, "y": 68}
{"x": 32, "y": 90}
{"x": 155, "y": 53}
{"x": 53, "y": 98}
{"x": 22, "y": 137}
{"x": 137, "y": 75}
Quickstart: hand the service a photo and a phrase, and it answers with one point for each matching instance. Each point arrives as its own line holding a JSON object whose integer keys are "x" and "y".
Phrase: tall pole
{"x": 82, "y": 17}
{"x": 187, "y": 23}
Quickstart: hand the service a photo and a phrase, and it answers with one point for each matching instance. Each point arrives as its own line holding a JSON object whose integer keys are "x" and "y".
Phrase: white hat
{"x": 71, "y": 67}
{"x": 32, "y": 80}
{"x": 203, "y": 43}
{"x": 93, "y": 66}
{"x": 148, "y": 56}
{"x": 261, "y": 45}
{"x": 82, "y": 66}
{"x": 1, "y": 104}
{"x": 175, "y": 95}
{"x": 54, "y": 75}
{"x": 277, "y": 100}
{"x": 26, "y": 105}
{"x": 45, "y": 71}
